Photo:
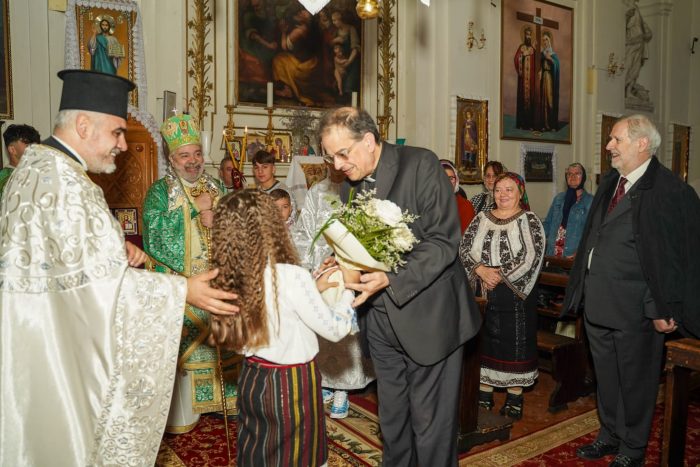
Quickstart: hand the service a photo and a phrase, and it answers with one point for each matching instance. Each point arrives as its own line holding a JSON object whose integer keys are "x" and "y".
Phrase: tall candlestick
{"x": 269, "y": 94}
{"x": 231, "y": 36}
{"x": 229, "y": 149}
{"x": 354, "y": 98}
{"x": 231, "y": 92}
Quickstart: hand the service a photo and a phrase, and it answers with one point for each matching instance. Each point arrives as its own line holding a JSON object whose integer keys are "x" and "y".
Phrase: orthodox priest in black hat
{"x": 88, "y": 343}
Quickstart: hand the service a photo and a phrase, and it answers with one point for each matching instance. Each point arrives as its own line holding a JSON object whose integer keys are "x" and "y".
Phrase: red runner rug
{"x": 355, "y": 441}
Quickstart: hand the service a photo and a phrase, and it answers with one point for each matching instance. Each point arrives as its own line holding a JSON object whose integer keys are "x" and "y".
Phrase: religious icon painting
{"x": 680, "y": 151}
{"x": 106, "y": 40}
{"x": 472, "y": 140}
{"x": 606, "y": 125}
{"x": 6, "y": 109}
{"x": 127, "y": 218}
{"x": 536, "y": 71}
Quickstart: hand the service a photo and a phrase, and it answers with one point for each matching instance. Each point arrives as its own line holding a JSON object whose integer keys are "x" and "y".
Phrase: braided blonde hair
{"x": 248, "y": 234}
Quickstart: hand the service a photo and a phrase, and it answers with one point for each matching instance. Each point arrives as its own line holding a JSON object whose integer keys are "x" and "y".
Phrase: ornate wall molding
{"x": 199, "y": 60}
{"x": 386, "y": 72}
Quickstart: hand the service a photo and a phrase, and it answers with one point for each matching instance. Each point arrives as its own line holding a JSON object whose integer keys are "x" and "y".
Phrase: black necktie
{"x": 619, "y": 193}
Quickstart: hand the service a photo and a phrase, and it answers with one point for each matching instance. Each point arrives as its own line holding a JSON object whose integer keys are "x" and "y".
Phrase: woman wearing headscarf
{"x": 464, "y": 206}
{"x": 568, "y": 213}
{"x": 502, "y": 251}
{"x": 484, "y": 201}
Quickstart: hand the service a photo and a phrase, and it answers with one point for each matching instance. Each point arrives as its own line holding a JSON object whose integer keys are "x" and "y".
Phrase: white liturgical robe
{"x": 88, "y": 345}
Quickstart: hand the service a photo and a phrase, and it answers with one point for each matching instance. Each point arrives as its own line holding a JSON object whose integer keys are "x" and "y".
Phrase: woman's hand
{"x": 490, "y": 277}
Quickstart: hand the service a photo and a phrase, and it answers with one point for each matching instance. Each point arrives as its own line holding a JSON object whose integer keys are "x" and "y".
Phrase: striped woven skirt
{"x": 280, "y": 415}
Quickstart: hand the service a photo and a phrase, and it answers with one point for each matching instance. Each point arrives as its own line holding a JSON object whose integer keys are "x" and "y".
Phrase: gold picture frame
{"x": 6, "y": 104}
{"x": 537, "y": 56}
{"x": 108, "y": 51}
{"x": 128, "y": 219}
{"x": 256, "y": 140}
{"x": 472, "y": 142}
{"x": 680, "y": 154}
{"x": 320, "y": 80}
{"x": 606, "y": 125}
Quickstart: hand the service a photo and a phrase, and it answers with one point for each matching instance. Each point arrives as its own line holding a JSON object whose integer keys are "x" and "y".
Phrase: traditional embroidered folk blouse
{"x": 301, "y": 315}
{"x": 515, "y": 245}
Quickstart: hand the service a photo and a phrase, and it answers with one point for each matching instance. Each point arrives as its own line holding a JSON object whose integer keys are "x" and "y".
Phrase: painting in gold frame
{"x": 255, "y": 141}
{"x": 537, "y": 56}
{"x": 6, "y": 108}
{"x": 106, "y": 41}
{"x": 681, "y": 151}
{"x": 471, "y": 145}
{"x": 606, "y": 125}
{"x": 282, "y": 42}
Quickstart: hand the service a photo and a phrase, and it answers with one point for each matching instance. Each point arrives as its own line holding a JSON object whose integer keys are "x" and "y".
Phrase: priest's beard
{"x": 107, "y": 164}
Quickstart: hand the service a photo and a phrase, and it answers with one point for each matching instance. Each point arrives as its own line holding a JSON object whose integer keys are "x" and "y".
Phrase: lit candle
{"x": 354, "y": 98}
{"x": 269, "y": 94}
{"x": 245, "y": 144}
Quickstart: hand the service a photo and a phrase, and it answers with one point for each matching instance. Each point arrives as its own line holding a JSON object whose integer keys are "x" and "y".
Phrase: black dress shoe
{"x": 596, "y": 450}
{"x": 622, "y": 460}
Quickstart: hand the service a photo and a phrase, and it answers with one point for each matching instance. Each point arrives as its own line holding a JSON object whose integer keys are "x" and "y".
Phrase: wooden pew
{"x": 564, "y": 357}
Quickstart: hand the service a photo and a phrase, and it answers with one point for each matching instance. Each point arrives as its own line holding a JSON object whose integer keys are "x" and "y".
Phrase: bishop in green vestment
{"x": 177, "y": 216}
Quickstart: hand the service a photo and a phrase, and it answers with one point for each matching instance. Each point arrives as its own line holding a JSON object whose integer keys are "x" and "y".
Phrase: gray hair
{"x": 65, "y": 118}
{"x": 356, "y": 121}
{"x": 639, "y": 126}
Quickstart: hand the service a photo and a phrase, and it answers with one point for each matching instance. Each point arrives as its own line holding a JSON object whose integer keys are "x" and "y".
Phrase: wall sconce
{"x": 367, "y": 9}
{"x": 614, "y": 68}
{"x": 692, "y": 45}
{"x": 472, "y": 41}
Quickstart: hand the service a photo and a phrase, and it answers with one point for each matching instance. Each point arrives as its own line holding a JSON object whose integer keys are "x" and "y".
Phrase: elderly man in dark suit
{"x": 637, "y": 273}
{"x": 416, "y": 319}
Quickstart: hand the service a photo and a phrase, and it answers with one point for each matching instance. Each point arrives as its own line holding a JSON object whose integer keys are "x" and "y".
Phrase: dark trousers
{"x": 418, "y": 405}
{"x": 627, "y": 366}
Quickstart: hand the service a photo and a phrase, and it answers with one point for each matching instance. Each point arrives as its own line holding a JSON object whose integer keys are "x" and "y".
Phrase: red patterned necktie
{"x": 619, "y": 193}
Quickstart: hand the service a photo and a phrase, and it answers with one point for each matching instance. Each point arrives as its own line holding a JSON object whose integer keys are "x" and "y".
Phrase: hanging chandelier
{"x": 367, "y": 9}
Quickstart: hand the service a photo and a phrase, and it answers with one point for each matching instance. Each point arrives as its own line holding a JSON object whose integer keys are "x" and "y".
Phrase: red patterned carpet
{"x": 564, "y": 455}
{"x": 354, "y": 441}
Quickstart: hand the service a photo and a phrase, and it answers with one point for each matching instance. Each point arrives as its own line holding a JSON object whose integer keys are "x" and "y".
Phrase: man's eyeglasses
{"x": 342, "y": 154}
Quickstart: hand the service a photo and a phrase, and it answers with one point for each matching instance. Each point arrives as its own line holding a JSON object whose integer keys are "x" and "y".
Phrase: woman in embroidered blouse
{"x": 502, "y": 251}
{"x": 281, "y": 311}
{"x": 484, "y": 201}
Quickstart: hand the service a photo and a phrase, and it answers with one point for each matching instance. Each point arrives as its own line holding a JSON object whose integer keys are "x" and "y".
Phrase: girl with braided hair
{"x": 280, "y": 408}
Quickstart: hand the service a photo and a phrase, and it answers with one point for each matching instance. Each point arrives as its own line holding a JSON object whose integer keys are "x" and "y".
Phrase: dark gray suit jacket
{"x": 663, "y": 217}
{"x": 429, "y": 302}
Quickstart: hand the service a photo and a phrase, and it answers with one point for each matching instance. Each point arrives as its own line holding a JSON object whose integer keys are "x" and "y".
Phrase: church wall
{"x": 434, "y": 67}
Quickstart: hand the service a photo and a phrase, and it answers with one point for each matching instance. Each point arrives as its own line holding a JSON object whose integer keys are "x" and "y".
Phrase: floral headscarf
{"x": 524, "y": 202}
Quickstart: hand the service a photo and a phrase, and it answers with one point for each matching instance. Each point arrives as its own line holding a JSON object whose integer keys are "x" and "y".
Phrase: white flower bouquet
{"x": 369, "y": 234}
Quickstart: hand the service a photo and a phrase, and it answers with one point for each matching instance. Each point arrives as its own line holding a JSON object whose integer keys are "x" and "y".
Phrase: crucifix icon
{"x": 538, "y": 21}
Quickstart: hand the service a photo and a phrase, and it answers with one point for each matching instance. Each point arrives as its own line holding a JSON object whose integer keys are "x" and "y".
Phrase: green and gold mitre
{"x": 180, "y": 130}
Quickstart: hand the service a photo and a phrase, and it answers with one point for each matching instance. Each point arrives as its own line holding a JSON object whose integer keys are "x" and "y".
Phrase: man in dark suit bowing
{"x": 416, "y": 319}
{"x": 637, "y": 273}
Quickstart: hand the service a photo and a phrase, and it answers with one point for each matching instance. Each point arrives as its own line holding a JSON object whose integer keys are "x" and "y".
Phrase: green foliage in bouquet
{"x": 379, "y": 225}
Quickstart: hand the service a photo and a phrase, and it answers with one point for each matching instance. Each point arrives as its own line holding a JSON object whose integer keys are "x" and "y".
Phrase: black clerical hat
{"x": 96, "y": 92}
